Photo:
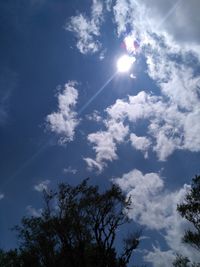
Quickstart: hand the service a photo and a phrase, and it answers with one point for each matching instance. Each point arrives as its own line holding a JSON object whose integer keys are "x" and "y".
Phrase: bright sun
{"x": 124, "y": 63}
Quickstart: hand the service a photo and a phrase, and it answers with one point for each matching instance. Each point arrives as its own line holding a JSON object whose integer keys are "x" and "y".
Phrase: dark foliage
{"x": 181, "y": 261}
{"x": 190, "y": 210}
{"x": 77, "y": 228}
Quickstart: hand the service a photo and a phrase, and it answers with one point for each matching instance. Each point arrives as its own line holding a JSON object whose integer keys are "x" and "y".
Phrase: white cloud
{"x": 171, "y": 124}
{"x": 87, "y": 29}
{"x": 160, "y": 258}
{"x": 70, "y": 170}
{"x": 192, "y": 129}
{"x": 95, "y": 116}
{"x": 143, "y": 188}
{"x": 171, "y": 115}
{"x": 123, "y": 15}
{"x": 179, "y": 20}
{"x": 64, "y": 121}
{"x": 168, "y": 31}
{"x": 143, "y": 105}
{"x": 169, "y": 40}
{"x": 176, "y": 81}
{"x": 181, "y": 87}
{"x": 167, "y": 138}
{"x": 155, "y": 208}
{"x": 108, "y": 4}
{"x": 33, "y": 211}
{"x": 140, "y": 143}
{"x": 93, "y": 164}
{"x": 102, "y": 54}
{"x": 161, "y": 129}
{"x": 42, "y": 186}
{"x": 1, "y": 196}
{"x": 105, "y": 143}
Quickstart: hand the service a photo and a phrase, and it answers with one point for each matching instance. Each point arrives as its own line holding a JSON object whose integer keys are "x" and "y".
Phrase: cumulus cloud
{"x": 105, "y": 143}
{"x": 42, "y": 186}
{"x": 179, "y": 86}
{"x": 178, "y": 82}
{"x": 140, "y": 143}
{"x": 171, "y": 125}
{"x": 87, "y": 29}
{"x": 155, "y": 208}
{"x": 143, "y": 187}
{"x": 64, "y": 121}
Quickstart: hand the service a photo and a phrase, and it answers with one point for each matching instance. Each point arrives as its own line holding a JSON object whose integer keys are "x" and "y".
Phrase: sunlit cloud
{"x": 105, "y": 143}
{"x": 64, "y": 121}
{"x": 140, "y": 143}
{"x": 87, "y": 30}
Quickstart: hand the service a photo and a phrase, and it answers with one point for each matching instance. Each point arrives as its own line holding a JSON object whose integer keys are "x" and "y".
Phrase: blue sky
{"x": 67, "y": 113}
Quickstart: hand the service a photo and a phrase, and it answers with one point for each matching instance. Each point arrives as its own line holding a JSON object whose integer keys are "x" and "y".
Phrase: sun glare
{"x": 125, "y": 63}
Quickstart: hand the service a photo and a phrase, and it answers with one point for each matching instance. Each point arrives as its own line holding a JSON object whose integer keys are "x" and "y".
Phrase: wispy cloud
{"x": 70, "y": 170}
{"x": 159, "y": 258}
{"x": 1, "y": 196}
{"x": 42, "y": 186}
{"x": 95, "y": 116}
{"x": 176, "y": 19}
{"x": 33, "y": 211}
{"x": 64, "y": 121}
{"x": 8, "y": 81}
{"x": 108, "y": 4}
{"x": 93, "y": 164}
{"x": 87, "y": 29}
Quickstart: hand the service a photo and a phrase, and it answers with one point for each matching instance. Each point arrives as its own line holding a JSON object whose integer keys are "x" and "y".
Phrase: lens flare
{"x": 125, "y": 63}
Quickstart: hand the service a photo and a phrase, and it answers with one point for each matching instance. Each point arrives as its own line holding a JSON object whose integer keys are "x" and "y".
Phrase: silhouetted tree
{"x": 181, "y": 261}
{"x": 190, "y": 210}
{"x": 10, "y": 258}
{"x": 78, "y": 228}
